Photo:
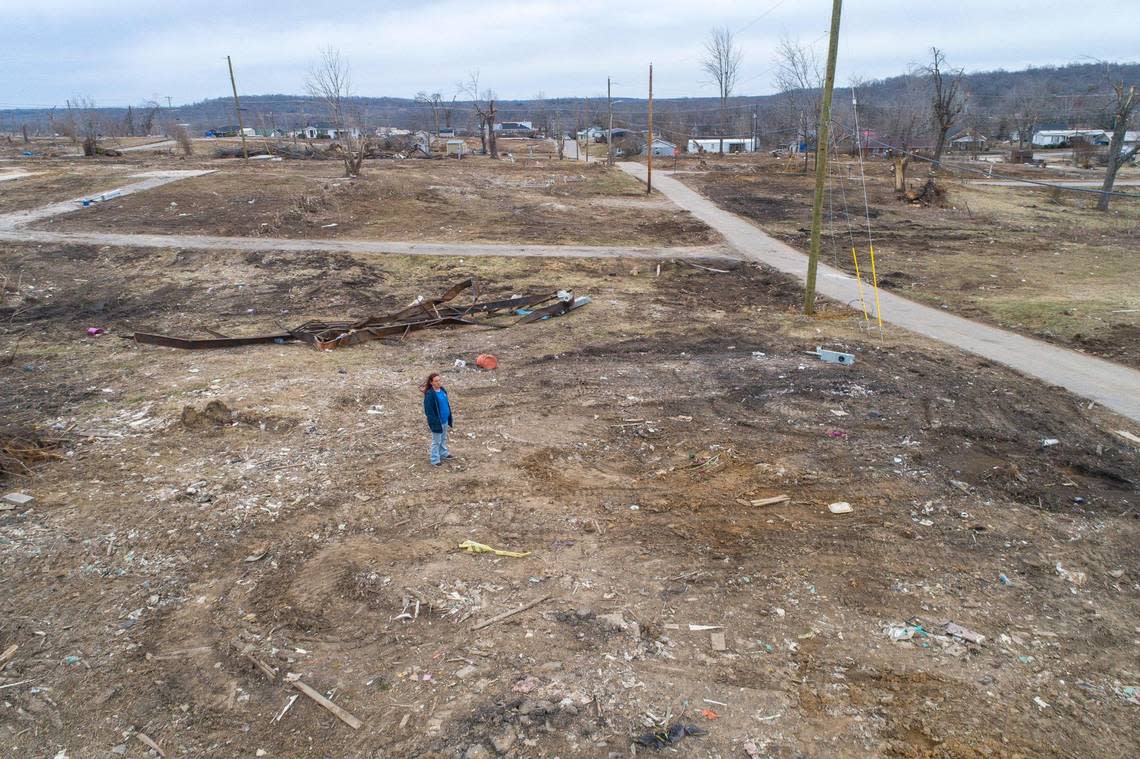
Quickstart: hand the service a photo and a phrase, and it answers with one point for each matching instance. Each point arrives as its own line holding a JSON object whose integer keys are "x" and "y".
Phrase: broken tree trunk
{"x": 899, "y": 167}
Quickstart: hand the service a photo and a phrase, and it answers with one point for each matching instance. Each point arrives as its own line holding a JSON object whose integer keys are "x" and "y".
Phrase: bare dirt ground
{"x": 58, "y": 181}
{"x": 540, "y": 201}
{"x": 181, "y": 559}
{"x": 621, "y": 445}
{"x": 1041, "y": 262}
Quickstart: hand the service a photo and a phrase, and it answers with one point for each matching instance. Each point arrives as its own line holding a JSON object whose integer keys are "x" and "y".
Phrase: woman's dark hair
{"x": 427, "y": 383}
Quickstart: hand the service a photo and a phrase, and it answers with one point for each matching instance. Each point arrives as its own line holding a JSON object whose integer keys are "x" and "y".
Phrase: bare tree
{"x": 1025, "y": 107}
{"x": 84, "y": 123}
{"x": 908, "y": 116}
{"x": 799, "y": 80}
{"x": 435, "y": 102}
{"x": 150, "y": 109}
{"x": 330, "y": 81}
{"x": 540, "y": 117}
{"x": 721, "y": 61}
{"x": 483, "y": 102}
{"x": 947, "y": 99}
{"x": 1124, "y": 112}
{"x": 179, "y": 133}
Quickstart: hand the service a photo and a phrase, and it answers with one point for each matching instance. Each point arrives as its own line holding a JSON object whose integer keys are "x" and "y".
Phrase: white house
{"x": 969, "y": 141}
{"x": 712, "y": 145}
{"x": 1059, "y": 138}
{"x": 662, "y": 147}
{"x": 322, "y": 131}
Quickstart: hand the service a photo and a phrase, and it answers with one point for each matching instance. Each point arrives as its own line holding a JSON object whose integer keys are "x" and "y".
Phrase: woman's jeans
{"x": 439, "y": 446}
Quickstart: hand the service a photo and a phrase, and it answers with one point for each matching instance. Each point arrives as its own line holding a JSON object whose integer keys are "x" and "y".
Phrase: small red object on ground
{"x": 709, "y": 714}
{"x": 486, "y": 361}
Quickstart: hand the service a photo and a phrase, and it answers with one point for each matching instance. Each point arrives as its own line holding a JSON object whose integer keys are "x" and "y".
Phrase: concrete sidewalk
{"x": 1113, "y": 386}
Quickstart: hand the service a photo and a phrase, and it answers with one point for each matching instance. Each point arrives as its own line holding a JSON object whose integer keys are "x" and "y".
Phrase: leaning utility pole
{"x": 821, "y": 141}
{"x": 610, "y": 134}
{"x": 237, "y": 107}
{"x": 649, "y": 140}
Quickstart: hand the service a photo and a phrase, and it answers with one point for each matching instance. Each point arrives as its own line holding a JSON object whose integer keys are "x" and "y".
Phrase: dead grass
{"x": 1039, "y": 262}
{"x": 50, "y": 183}
{"x": 538, "y": 201}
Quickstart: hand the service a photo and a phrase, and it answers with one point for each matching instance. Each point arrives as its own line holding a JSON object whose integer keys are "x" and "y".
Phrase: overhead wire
{"x": 851, "y": 241}
{"x": 867, "y": 209}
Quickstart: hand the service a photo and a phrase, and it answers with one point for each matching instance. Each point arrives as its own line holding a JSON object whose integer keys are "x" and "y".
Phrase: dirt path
{"x": 1109, "y": 384}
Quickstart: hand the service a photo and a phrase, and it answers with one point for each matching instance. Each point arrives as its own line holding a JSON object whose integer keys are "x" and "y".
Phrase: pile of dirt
{"x": 215, "y": 414}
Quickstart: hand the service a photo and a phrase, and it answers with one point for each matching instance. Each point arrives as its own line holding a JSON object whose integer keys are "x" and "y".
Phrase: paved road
{"x": 211, "y": 242}
{"x": 1114, "y": 386}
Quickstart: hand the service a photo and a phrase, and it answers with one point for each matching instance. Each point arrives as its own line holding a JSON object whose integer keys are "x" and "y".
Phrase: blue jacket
{"x": 431, "y": 411}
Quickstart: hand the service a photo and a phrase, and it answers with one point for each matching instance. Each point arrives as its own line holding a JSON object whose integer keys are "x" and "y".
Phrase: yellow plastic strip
{"x": 875, "y": 282}
{"x": 859, "y": 279}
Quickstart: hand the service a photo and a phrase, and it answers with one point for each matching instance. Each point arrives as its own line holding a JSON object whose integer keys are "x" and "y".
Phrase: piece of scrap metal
{"x": 192, "y": 343}
{"x": 833, "y": 357}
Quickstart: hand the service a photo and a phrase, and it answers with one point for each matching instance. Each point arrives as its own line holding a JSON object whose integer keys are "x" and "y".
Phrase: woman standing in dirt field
{"x": 437, "y": 409}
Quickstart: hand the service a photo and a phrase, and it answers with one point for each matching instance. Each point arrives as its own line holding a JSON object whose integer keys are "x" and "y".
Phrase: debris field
{"x": 670, "y": 527}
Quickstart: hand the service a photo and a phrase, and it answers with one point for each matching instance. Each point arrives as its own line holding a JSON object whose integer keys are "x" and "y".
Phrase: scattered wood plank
{"x": 13, "y": 685}
{"x": 269, "y": 672}
{"x": 511, "y": 613}
{"x": 9, "y": 652}
{"x": 181, "y": 654}
{"x": 288, "y": 705}
{"x": 706, "y": 268}
{"x": 771, "y": 501}
{"x": 337, "y": 711}
{"x": 1128, "y": 436}
{"x": 149, "y": 743}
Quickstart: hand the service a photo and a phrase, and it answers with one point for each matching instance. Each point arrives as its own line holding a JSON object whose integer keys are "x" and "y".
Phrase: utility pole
{"x": 754, "y": 131}
{"x": 237, "y": 107}
{"x": 587, "y": 130}
{"x": 649, "y": 141}
{"x": 610, "y": 136}
{"x": 821, "y": 142}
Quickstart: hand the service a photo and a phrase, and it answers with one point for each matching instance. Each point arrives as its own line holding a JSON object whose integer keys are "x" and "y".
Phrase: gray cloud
{"x": 130, "y": 50}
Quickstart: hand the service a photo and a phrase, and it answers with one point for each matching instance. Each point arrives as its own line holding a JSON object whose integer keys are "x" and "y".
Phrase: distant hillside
{"x": 1072, "y": 95}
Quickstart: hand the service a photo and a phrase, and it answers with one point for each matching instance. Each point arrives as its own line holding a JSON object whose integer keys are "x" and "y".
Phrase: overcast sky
{"x": 125, "y": 51}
